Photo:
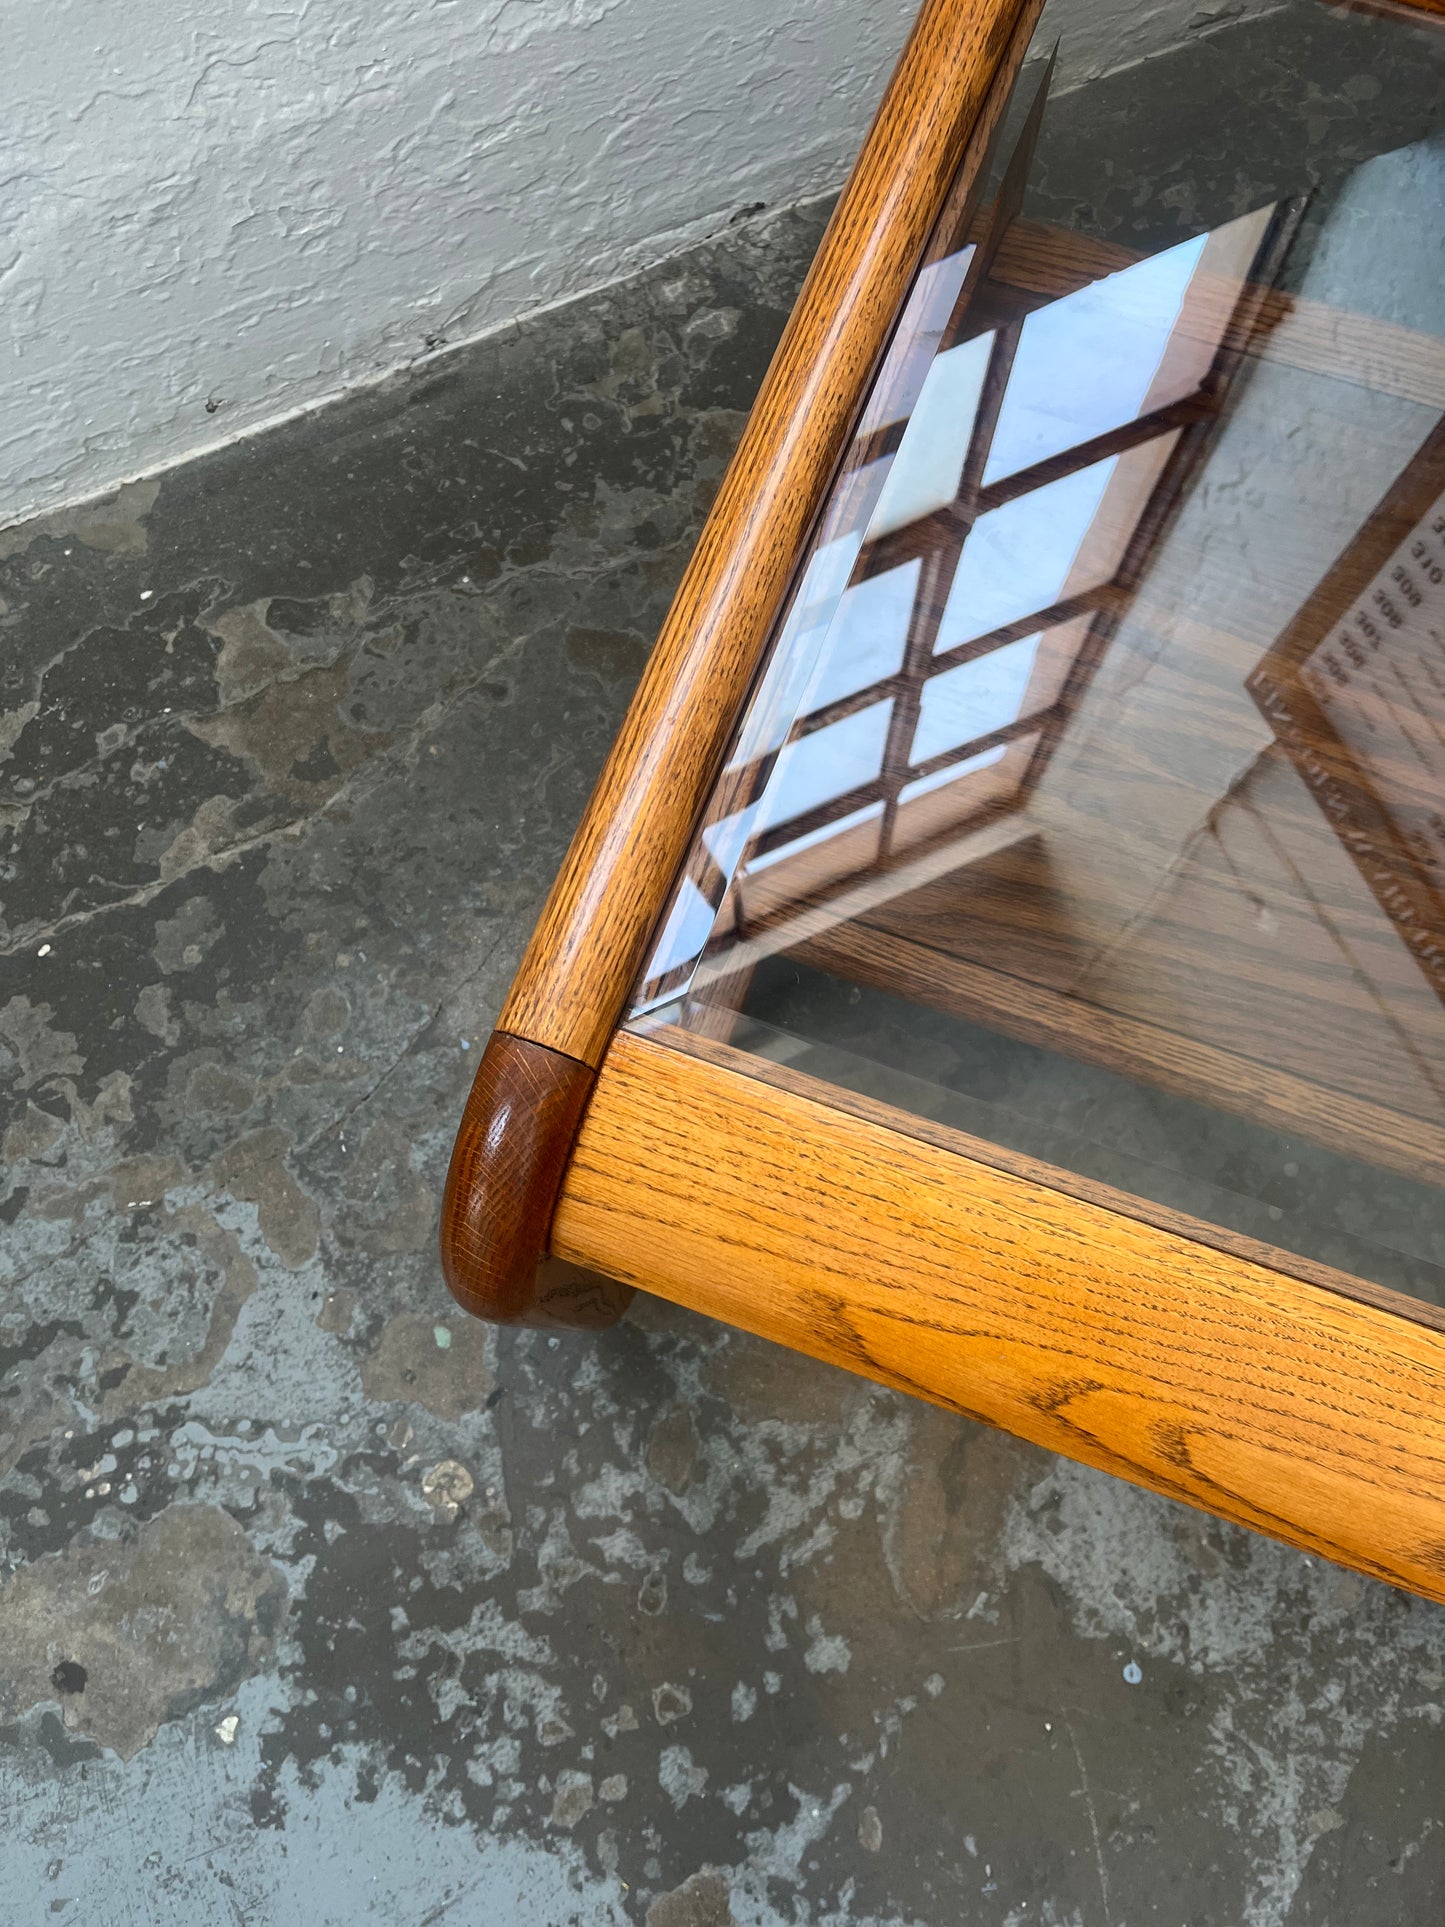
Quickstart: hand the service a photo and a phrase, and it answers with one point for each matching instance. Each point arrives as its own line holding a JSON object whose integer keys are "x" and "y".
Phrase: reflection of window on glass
{"x": 971, "y": 566}
{"x": 977, "y": 698}
{"x": 868, "y": 635}
{"x": 1018, "y": 557}
{"x": 809, "y": 771}
{"x": 928, "y": 467}
{"x": 1092, "y": 361}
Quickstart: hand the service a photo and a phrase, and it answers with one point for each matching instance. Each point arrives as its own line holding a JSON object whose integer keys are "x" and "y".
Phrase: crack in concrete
{"x": 1085, "y": 1789}
{"x": 355, "y": 788}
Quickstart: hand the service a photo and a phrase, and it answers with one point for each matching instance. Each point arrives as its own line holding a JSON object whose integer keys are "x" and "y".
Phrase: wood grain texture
{"x": 714, "y": 1047}
{"x": 947, "y": 92}
{"x": 1198, "y": 1374}
{"x": 507, "y": 1163}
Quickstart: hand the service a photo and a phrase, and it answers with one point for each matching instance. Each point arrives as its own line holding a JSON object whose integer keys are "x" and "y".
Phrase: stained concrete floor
{"x": 320, "y": 1604}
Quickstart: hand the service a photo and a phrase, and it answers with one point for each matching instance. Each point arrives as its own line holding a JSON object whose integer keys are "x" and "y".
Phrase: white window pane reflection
{"x": 824, "y": 578}
{"x": 867, "y": 636}
{"x": 1017, "y": 558}
{"x": 974, "y": 699}
{"x": 952, "y": 773}
{"x": 772, "y": 711}
{"x": 928, "y": 467}
{"x": 814, "y": 837}
{"x": 827, "y": 764}
{"x": 726, "y": 839}
{"x": 916, "y": 339}
{"x": 1085, "y": 364}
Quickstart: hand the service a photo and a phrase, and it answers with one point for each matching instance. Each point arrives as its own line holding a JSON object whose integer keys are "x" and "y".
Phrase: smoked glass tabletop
{"x": 1091, "y": 797}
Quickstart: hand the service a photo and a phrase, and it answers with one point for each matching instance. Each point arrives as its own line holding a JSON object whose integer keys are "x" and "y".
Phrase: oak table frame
{"x": 593, "y": 1160}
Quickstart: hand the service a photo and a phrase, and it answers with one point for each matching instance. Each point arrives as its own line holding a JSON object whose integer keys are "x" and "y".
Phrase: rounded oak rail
{"x": 929, "y": 136}
{"x": 884, "y": 1244}
{"x": 588, "y": 944}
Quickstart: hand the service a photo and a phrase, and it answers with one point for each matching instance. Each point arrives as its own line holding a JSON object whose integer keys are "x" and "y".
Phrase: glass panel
{"x": 798, "y": 645}
{"x": 929, "y": 465}
{"x": 1086, "y": 363}
{"x": 826, "y": 765}
{"x": 869, "y": 631}
{"x": 975, "y": 699}
{"x": 1018, "y": 558}
{"x": 1092, "y": 795}
{"x": 767, "y": 858}
{"x": 951, "y": 773}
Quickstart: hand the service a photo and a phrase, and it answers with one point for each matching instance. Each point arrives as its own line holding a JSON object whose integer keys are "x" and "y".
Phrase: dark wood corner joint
{"x": 525, "y": 1106}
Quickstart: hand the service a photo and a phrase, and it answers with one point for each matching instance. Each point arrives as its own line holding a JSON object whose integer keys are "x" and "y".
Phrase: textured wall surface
{"x": 211, "y": 216}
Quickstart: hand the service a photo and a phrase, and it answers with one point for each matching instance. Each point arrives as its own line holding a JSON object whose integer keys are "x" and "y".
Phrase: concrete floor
{"x": 322, "y": 1605}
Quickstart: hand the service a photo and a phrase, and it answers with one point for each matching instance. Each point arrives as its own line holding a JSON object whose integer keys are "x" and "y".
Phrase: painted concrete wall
{"x": 213, "y": 215}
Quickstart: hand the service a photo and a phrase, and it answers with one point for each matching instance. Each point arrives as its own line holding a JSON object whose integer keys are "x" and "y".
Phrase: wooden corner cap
{"x": 516, "y": 1134}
